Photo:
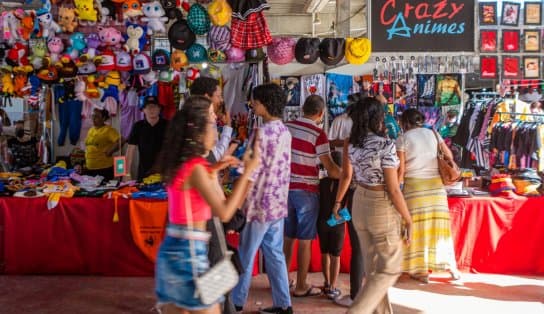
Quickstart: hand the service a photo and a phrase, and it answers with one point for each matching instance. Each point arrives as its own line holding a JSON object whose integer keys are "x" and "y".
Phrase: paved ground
{"x": 474, "y": 293}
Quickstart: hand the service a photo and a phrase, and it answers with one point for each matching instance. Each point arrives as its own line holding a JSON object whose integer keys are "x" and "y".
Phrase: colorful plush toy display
{"x": 28, "y": 25}
{"x": 67, "y": 19}
{"x": 56, "y": 47}
{"x": 132, "y": 9}
{"x": 10, "y": 26}
{"x": 93, "y": 42}
{"x": 85, "y": 10}
{"x": 20, "y": 81}
{"x": 135, "y": 38}
{"x": 17, "y": 55}
{"x": 39, "y": 50}
{"x": 154, "y": 16}
{"x": 110, "y": 37}
{"x": 77, "y": 44}
{"x": 7, "y": 82}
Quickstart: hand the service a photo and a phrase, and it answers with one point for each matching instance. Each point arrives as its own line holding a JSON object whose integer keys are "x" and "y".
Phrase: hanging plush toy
{"x": 20, "y": 81}
{"x": 171, "y": 10}
{"x": 132, "y": 9}
{"x": 77, "y": 44}
{"x": 135, "y": 38}
{"x": 193, "y": 74}
{"x": 7, "y": 82}
{"x": 93, "y": 42}
{"x": 39, "y": 50}
{"x": 154, "y": 16}
{"x": 45, "y": 18}
{"x": 18, "y": 55}
{"x": 56, "y": 47}
{"x": 86, "y": 11}
{"x": 35, "y": 84}
{"x": 107, "y": 11}
{"x": 67, "y": 19}
{"x": 112, "y": 85}
{"x": 110, "y": 37}
{"x": 91, "y": 91}
{"x": 28, "y": 27}
{"x": 10, "y": 26}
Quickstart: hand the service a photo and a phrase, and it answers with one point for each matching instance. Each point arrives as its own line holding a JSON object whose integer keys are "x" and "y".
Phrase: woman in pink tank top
{"x": 194, "y": 195}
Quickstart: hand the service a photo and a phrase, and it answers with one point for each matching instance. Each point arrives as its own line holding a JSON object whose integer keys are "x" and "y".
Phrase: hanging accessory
{"x": 448, "y": 169}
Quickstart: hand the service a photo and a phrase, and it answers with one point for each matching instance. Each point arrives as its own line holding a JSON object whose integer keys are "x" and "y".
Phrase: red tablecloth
{"x": 79, "y": 237}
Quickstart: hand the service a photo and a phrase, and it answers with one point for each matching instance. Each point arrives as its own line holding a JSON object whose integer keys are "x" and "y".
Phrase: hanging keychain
{"x": 393, "y": 72}
{"x": 385, "y": 69}
{"x": 375, "y": 75}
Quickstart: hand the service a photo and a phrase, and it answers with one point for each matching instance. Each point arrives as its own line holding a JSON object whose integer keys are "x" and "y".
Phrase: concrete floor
{"x": 474, "y": 293}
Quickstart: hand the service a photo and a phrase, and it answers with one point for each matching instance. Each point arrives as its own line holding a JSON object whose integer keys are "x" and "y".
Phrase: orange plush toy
{"x": 28, "y": 27}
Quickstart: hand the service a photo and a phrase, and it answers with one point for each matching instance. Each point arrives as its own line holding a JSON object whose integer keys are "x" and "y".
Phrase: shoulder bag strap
{"x": 439, "y": 153}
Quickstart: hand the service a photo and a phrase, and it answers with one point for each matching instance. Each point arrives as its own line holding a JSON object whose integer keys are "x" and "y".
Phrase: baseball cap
{"x": 150, "y": 100}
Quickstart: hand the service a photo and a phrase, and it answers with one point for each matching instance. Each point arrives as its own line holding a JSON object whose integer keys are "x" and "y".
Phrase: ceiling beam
{"x": 314, "y": 6}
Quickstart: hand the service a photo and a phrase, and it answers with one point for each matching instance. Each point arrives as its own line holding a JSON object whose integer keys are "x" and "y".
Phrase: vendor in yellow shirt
{"x": 101, "y": 142}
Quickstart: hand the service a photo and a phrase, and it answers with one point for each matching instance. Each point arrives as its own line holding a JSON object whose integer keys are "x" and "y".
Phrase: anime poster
{"x": 291, "y": 87}
{"x": 448, "y": 89}
{"x": 426, "y": 85}
{"x": 312, "y": 85}
{"x": 338, "y": 89}
{"x": 363, "y": 84}
{"x": 432, "y": 115}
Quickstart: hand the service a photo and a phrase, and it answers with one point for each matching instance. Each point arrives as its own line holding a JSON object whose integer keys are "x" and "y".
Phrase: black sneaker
{"x": 239, "y": 309}
{"x": 277, "y": 310}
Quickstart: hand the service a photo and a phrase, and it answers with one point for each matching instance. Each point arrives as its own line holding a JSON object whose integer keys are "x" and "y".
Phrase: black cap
{"x": 151, "y": 100}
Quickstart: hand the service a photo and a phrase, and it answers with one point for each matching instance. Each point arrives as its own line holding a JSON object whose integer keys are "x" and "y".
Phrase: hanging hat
{"x": 198, "y": 19}
{"x": 219, "y": 38}
{"x": 107, "y": 61}
{"x": 216, "y": 56}
{"x": 331, "y": 50}
{"x": 141, "y": 64}
{"x": 180, "y": 35}
{"x": 197, "y": 54}
{"x": 219, "y": 12}
{"x": 123, "y": 61}
{"x": 358, "y": 50}
{"x": 282, "y": 50}
{"x": 255, "y": 55}
{"x": 178, "y": 60}
{"x": 236, "y": 55}
{"x": 250, "y": 33}
{"x": 86, "y": 68}
{"x": 307, "y": 50}
{"x": 161, "y": 60}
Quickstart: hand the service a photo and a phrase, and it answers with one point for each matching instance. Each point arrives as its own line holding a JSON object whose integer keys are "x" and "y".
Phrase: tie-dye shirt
{"x": 267, "y": 199}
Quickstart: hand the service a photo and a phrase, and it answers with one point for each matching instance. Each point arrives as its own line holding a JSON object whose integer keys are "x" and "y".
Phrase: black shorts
{"x": 331, "y": 239}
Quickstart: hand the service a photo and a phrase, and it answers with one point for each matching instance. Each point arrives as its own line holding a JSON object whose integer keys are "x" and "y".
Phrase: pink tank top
{"x": 176, "y": 196}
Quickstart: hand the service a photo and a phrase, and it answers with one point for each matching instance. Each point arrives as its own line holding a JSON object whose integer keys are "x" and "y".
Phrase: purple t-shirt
{"x": 267, "y": 200}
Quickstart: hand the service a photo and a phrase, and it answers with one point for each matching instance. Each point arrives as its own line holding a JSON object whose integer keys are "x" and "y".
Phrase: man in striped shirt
{"x": 309, "y": 147}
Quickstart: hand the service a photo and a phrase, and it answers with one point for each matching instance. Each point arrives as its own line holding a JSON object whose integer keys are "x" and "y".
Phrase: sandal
{"x": 309, "y": 293}
{"x": 455, "y": 275}
{"x": 333, "y": 293}
{"x": 291, "y": 284}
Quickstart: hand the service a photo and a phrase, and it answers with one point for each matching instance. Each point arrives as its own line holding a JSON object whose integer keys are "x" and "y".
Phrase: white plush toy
{"x": 48, "y": 25}
{"x": 10, "y": 26}
{"x": 154, "y": 16}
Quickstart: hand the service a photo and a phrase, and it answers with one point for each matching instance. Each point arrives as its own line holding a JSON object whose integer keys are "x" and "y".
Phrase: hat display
{"x": 250, "y": 33}
{"x": 107, "y": 61}
{"x": 161, "y": 60}
{"x": 197, "y": 54}
{"x": 281, "y": 50}
{"x": 307, "y": 50}
{"x": 180, "y": 35}
{"x": 215, "y": 55}
{"x": 358, "y": 50}
{"x": 198, "y": 19}
{"x": 178, "y": 60}
{"x": 255, "y": 55}
{"x": 219, "y": 38}
{"x": 331, "y": 50}
{"x": 141, "y": 64}
{"x": 236, "y": 55}
{"x": 501, "y": 185}
{"x": 219, "y": 12}
{"x": 123, "y": 61}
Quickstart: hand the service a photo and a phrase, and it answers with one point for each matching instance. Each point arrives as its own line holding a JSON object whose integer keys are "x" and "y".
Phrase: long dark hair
{"x": 368, "y": 116}
{"x": 183, "y": 139}
{"x": 412, "y": 118}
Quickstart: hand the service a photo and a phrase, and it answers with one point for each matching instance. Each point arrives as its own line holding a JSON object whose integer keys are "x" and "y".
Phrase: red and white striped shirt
{"x": 309, "y": 142}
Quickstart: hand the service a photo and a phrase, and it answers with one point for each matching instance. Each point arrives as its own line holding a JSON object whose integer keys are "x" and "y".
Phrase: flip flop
{"x": 309, "y": 293}
{"x": 291, "y": 284}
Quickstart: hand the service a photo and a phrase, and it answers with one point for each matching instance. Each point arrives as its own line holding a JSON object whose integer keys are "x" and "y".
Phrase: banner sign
{"x": 422, "y": 25}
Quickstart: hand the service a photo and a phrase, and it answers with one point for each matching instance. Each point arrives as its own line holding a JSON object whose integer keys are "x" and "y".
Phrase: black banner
{"x": 422, "y": 25}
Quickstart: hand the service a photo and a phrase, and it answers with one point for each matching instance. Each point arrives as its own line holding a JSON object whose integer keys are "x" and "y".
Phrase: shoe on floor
{"x": 455, "y": 275}
{"x": 277, "y": 310}
{"x": 344, "y": 301}
{"x": 333, "y": 293}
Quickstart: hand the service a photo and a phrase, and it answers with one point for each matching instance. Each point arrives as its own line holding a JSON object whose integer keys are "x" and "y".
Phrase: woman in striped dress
{"x": 431, "y": 248}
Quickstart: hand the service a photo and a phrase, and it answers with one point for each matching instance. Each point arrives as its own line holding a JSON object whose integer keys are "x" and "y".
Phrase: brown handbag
{"x": 448, "y": 169}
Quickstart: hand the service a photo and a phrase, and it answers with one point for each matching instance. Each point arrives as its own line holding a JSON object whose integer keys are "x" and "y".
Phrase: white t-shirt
{"x": 340, "y": 129}
{"x": 420, "y": 147}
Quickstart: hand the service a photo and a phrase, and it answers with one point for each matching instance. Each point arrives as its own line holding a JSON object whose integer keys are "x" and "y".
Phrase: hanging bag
{"x": 448, "y": 169}
{"x": 220, "y": 278}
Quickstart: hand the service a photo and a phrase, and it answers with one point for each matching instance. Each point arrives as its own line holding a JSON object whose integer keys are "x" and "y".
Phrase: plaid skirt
{"x": 250, "y": 33}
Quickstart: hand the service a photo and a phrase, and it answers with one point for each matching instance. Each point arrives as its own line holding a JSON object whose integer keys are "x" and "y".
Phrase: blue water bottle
{"x": 344, "y": 216}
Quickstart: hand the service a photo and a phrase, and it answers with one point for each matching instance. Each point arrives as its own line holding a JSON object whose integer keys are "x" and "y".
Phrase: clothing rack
{"x": 522, "y": 114}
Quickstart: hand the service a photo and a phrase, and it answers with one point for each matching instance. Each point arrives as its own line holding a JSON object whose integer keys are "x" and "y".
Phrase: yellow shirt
{"x": 98, "y": 141}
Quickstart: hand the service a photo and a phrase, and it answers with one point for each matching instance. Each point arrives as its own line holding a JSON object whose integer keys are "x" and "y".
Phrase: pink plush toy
{"x": 110, "y": 37}
{"x": 55, "y": 47}
{"x": 10, "y": 26}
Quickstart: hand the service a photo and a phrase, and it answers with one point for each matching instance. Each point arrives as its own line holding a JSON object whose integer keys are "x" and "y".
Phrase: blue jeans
{"x": 269, "y": 237}
{"x": 303, "y": 210}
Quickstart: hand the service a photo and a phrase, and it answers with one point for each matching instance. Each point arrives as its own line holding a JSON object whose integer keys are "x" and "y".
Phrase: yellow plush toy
{"x": 67, "y": 19}
{"x": 7, "y": 83}
{"x": 85, "y": 10}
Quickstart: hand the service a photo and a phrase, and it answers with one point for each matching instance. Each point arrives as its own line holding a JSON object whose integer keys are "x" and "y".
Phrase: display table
{"x": 79, "y": 236}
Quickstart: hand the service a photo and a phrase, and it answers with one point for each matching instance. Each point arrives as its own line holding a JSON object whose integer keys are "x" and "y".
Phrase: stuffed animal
{"x": 10, "y": 26}
{"x": 171, "y": 10}
{"x": 107, "y": 11}
{"x": 91, "y": 91}
{"x": 45, "y": 18}
{"x": 77, "y": 44}
{"x": 132, "y": 9}
{"x": 154, "y": 16}
{"x": 39, "y": 50}
{"x": 18, "y": 55}
{"x": 67, "y": 19}
{"x": 28, "y": 25}
{"x": 79, "y": 89}
{"x": 93, "y": 42}
{"x": 35, "y": 84}
{"x": 135, "y": 38}
{"x": 7, "y": 83}
{"x": 56, "y": 47}
{"x": 20, "y": 81}
{"x": 67, "y": 68}
{"x": 110, "y": 37}
{"x": 112, "y": 85}
{"x": 193, "y": 74}
{"x": 85, "y": 10}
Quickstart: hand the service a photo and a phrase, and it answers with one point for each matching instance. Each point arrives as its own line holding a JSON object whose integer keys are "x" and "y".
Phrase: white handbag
{"x": 221, "y": 277}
